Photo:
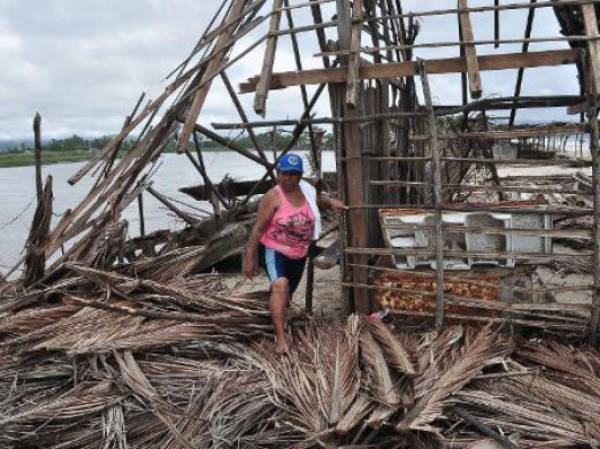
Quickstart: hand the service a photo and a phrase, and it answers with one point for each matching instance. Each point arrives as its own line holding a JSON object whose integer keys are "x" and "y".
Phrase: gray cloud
{"x": 83, "y": 64}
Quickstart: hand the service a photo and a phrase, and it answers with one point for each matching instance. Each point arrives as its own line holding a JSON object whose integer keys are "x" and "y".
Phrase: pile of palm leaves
{"x": 92, "y": 359}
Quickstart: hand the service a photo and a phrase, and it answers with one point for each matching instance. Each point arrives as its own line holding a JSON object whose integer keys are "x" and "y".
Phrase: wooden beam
{"x": 352, "y": 80}
{"x": 591, "y": 30}
{"x": 433, "y": 66}
{"x": 262, "y": 89}
{"x": 524, "y": 49}
{"x": 213, "y": 66}
{"x": 470, "y": 54}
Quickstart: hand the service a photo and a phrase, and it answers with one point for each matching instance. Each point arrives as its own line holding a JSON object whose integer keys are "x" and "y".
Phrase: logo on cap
{"x": 293, "y": 160}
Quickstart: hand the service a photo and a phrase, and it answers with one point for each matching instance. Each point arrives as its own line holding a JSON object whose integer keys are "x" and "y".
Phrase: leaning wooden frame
{"x": 394, "y": 149}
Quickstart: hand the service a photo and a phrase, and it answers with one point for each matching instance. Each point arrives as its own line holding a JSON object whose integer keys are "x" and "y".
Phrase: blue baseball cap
{"x": 290, "y": 162}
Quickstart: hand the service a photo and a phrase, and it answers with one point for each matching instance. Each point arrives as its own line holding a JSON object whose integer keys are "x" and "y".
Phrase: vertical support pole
{"x": 37, "y": 121}
{"x": 141, "y": 211}
{"x": 594, "y": 148}
{"x": 463, "y": 79}
{"x": 592, "y": 83}
{"x": 310, "y": 278}
{"x": 524, "y": 49}
{"x": 437, "y": 198}
{"x": 353, "y": 81}
{"x": 496, "y": 24}
{"x": 359, "y": 232}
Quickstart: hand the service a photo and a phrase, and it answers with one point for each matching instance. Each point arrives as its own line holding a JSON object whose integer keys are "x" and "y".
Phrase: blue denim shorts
{"x": 280, "y": 266}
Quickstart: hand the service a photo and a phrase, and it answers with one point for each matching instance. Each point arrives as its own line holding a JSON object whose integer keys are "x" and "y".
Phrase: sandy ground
{"x": 327, "y": 301}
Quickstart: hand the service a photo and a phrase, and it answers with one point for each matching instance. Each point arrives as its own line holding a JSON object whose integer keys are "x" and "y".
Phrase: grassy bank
{"x": 55, "y": 157}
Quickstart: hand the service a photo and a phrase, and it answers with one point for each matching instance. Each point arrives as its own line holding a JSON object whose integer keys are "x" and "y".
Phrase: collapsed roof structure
{"x": 395, "y": 148}
{"x": 429, "y": 213}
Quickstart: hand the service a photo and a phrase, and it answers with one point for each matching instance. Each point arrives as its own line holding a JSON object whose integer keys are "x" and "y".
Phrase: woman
{"x": 288, "y": 219}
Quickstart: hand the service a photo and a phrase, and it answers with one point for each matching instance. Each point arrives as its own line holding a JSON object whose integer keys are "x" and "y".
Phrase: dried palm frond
{"x": 84, "y": 399}
{"x": 382, "y": 386}
{"x": 113, "y": 428}
{"x": 30, "y": 319}
{"x": 434, "y": 346}
{"x": 465, "y": 365}
{"x": 395, "y": 353}
{"x": 546, "y": 424}
{"x": 564, "y": 359}
{"x": 347, "y": 372}
{"x": 361, "y": 406}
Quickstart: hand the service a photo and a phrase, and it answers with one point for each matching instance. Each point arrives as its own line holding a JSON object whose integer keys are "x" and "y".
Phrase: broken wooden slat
{"x": 433, "y": 66}
{"x": 212, "y": 68}
{"x": 262, "y": 89}
{"x": 470, "y": 55}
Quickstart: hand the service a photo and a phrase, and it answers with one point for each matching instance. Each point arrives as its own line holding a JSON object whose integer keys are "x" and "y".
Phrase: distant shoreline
{"x": 25, "y": 159}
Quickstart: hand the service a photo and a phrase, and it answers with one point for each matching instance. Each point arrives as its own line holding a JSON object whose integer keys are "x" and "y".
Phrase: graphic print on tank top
{"x": 294, "y": 231}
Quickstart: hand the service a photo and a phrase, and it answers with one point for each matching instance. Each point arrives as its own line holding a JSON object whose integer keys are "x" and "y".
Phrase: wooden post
{"x": 593, "y": 88}
{"x": 352, "y": 81}
{"x": 141, "y": 211}
{"x": 496, "y": 23}
{"x": 310, "y": 277}
{"x": 264, "y": 83}
{"x": 349, "y": 147}
{"x": 591, "y": 30}
{"x": 35, "y": 257}
{"x": 470, "y": 54}
{"x": 437, "y": 199}
{"x": 37, "y": 121}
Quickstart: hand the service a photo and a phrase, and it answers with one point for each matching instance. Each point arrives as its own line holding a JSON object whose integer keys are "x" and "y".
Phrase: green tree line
{"x": 266, "y": 141}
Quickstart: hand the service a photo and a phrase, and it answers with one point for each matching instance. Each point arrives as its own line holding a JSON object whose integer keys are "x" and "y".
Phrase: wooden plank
{"x": 433, "y": 66}
{"x": 437, "y": 198}
{"x": 212, "y": 68}
{"x": 354, "y": 59}
{"x": 475, "y": 88}
{"x": 262, "y": 89}
{"x": 591, "y": 29}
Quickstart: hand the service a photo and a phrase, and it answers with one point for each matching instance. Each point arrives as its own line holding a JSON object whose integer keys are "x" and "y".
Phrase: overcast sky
{"x": 83, "y": 63}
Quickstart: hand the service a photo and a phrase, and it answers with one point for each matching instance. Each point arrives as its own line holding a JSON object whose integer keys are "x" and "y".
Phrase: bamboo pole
{"x": 437, "y": 199}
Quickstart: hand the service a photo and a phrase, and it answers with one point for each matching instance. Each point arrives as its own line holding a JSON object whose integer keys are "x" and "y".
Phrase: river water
{"x": 17, "y": 194}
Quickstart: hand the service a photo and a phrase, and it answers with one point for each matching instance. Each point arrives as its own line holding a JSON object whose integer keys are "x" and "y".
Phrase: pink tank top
{"x": 290, "y": 230}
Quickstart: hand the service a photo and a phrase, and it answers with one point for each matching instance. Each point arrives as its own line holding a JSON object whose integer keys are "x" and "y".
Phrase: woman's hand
{"x": 249, "y": 265}
{"x": 337, "y": 204}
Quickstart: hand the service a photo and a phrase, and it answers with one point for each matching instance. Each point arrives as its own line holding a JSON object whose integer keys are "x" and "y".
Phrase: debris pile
{"x": 102, "y": 359}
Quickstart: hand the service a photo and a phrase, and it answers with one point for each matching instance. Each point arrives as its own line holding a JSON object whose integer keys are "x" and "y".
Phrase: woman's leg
{"x": 280, "y": 292}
